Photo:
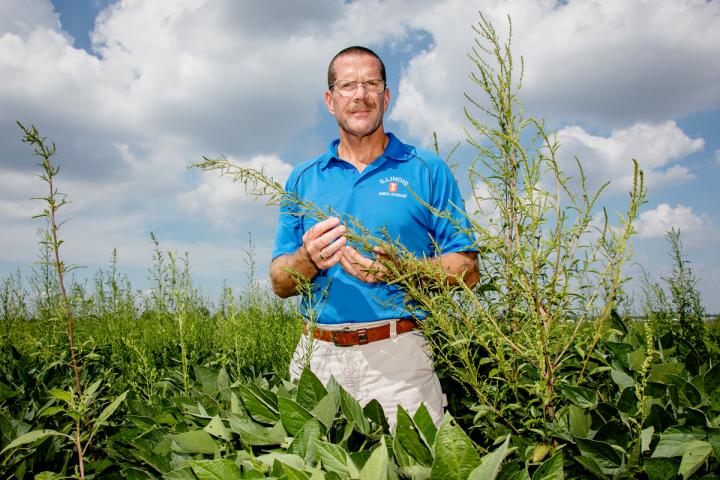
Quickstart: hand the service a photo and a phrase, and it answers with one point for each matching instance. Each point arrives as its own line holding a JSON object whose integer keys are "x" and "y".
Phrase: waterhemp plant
{"x": 75, "y": 402}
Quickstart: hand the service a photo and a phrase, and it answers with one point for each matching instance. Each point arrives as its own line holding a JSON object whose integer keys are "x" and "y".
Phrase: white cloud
{"x": 717, "y": 156}
{"x": 656, "y": 147}
{"x": 601, "y": 64}
{"x": 226, "y": 203}
{"x": 657, "y": 222}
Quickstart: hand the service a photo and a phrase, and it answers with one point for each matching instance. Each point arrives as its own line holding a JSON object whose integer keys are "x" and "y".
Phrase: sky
{"x": 133, "y": 91}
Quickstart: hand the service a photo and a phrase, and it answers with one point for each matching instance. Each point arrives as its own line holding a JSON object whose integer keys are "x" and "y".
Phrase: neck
{"x": 362, "y": 151}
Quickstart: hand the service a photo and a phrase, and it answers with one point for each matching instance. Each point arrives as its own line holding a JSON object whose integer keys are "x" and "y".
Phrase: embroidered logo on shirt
{"x": 393, "y": 185}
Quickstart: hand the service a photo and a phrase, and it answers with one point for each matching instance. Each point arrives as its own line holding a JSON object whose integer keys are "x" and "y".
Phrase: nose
{"x": 358, "y": 93}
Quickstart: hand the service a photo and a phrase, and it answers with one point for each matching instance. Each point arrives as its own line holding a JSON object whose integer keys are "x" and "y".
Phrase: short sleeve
{"x": 289, "y": 233}
{"x": 452, "y": 234}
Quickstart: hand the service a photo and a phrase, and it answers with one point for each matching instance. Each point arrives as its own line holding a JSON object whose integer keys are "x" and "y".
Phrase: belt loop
{"x": 393, "y": 328}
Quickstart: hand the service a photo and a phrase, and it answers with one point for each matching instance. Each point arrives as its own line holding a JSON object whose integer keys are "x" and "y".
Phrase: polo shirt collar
{"x": 395, "y": 150}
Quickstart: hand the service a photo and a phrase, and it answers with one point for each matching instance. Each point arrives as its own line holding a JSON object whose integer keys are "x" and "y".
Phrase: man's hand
{"x": 321, "y": 249}
{"x": 361, "y": 267}
{"x": 323, "y": 243}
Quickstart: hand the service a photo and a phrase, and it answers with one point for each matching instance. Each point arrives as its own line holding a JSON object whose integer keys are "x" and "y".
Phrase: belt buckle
{"x": 362, "y": 337}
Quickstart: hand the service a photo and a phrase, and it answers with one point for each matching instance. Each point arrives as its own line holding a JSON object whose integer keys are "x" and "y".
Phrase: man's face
{"x": 361, "y": 113}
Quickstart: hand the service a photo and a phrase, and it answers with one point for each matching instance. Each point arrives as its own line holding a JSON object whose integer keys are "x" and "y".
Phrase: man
{"x": 366, "y": 336}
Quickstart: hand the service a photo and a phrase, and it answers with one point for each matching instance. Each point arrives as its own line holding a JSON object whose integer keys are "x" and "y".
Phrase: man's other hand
{"x": 365, "y": 269}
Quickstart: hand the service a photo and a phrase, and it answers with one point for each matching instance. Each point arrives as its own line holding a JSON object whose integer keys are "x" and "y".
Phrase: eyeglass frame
{"x": 357, "y": 84}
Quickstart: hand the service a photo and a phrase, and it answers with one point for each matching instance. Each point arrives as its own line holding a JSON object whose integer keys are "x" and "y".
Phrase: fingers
{"x": 365, "y": 269}
{"x": 324, "y": 242}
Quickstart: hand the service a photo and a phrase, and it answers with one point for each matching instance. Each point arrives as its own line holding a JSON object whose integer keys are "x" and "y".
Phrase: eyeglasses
{"x": 347, "y": 88}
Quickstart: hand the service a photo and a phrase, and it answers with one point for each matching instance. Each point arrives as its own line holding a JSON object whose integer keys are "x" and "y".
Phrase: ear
{"x": 386, "y": 99}
{"x": 329, "y": 102}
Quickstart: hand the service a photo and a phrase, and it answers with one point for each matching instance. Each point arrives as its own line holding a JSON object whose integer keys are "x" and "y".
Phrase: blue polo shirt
{"x": 380, "y": 199}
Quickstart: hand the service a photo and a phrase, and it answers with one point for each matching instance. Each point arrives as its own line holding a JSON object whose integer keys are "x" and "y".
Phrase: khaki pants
{"x": 394, "y": 371}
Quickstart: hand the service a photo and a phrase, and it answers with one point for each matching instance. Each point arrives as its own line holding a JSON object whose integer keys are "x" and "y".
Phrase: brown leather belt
{"x": 361, "y": 336}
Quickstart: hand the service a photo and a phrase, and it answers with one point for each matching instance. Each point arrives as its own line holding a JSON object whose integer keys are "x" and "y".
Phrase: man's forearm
{"x": 459, "y": 263}
{"x": 283, "y": 283}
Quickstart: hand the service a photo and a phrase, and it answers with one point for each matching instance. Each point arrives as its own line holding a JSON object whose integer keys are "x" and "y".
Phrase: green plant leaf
{"x": 326, "y": 410}
{"x": 221, "y": 469}
{"x": 332, "y": 456}
{"x": 711, "y": 379}
{"x": 579, "y": 421}
{"x": 455, "y": 455}
{"x": 551, "y": 469}
{"x": 695, "y": 455}
{"x": 628, "y": 401}
{"x": 292, "y": 415}
{"x": 580, "y": 396}
{"x": 354, "y": 412}
{"x": 216, "y": 428}
{"x": 636, "y": 358}
{"x": 293, "y": 473}
{"x": 409, "y": 437}
{"x": 424, "y": 423}
{"x": 376, "y": 467}
{"x": 674, "y": 441}
{"x": 250, "y": 432}
{"x": 194, "y": 441}
{"x": 109, "y": 410}
{"x": 62, "y": 395}
{"x": 621, "y": 378}
{"x": 301, "y": 442}
{"x": 32, "y": 437}
{"x": 646, "y": 438}
{"x": 374, "y": 411}
{"x": 661, "y": 468}
{"x": 664, "y": 372}
{"x": 310, "y": 390}
{"x": 258, "y": 409}
{"x": 601, "y": 453}
{"x": 491, "y": 463}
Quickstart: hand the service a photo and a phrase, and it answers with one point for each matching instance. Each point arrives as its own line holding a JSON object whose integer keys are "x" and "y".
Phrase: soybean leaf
{"x": 250, "y": 432}
{"x": 256, "y": 406}
{"x": 695, "y": 455}
{"x": 601, "y": 453}
{"x": 636, "y": 358}
{"x": 674, "y": 441}
{"x": 409, "y": 437}
{"x": 221, "y": 469}
{"x": 332, "y": 457}
{"x": 580, "y": 396}
{"x": 661, "y": 468}
{"x": 32, "y": 437}
{"x": 424, "y": 423}
{"x": 376, "y": 466}
{"x": 354, "y": 412}
{"x": 300, "y": 444}
{"x": 591, "y": 466}
{"x": 292, "y": 473}
{"x": 290, "y": 459}
{"x": 551, "y": 469}
{"x": 712, "y": 379}
{"x": 195, "y": 441}
{"x": 491, "y": 463}
{"x": 661, "y": 372}
{"x": 183, "y": 473}
{"x": 207, "y": 378}
{"x": 455, "y": 455}
{"x": 292, "y": 415}
{"x": 621, "y": 378}
{"x": 579, "y": 421}
{"x": 646, "y": 438}
{"x": 326, "y": 410}
{"x": 628, "y": 402}
{"x": 374, "y": 411}
{"x": 310, "y": 390}
{"x": 216, "y": 428}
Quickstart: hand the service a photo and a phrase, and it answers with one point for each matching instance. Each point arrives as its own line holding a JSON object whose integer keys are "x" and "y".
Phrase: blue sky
{"x": 132, "y": 92}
